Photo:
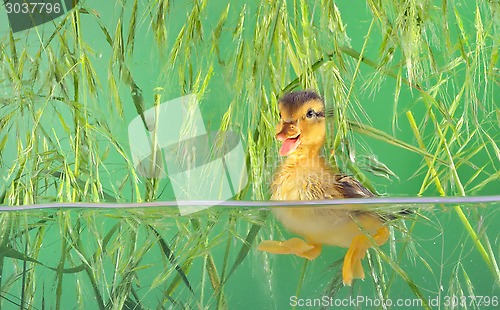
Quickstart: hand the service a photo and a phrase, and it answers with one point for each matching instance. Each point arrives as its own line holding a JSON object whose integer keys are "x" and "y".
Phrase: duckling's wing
{"x": 348, "y": 187}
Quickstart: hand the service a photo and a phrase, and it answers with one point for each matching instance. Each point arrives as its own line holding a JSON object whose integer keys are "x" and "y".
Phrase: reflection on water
{"x": 346, "y": 204}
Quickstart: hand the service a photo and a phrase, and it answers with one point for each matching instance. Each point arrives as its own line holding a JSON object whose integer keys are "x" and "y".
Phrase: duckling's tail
{"x": 387, "y": 217}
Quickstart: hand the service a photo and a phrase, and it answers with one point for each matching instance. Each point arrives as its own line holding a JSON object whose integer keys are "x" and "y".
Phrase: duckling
{"x": 305, "y": 175}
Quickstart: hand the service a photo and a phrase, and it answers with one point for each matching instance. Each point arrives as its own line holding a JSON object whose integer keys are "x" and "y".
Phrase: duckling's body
{"x": 311, "y": 179}
{"x": 305, "y": 175}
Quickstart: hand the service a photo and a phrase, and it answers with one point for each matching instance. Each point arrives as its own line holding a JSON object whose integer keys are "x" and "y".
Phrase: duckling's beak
{"x": 290, "y": 136}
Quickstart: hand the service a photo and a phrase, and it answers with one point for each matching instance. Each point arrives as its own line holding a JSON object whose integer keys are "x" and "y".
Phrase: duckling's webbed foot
{"x": 352, "y": 268}
{"x": 293, "y": 246}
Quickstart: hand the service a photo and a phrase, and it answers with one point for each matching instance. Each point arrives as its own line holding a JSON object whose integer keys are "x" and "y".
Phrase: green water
{"x": 116, "y": 256}
{"x": 83, "y": 226}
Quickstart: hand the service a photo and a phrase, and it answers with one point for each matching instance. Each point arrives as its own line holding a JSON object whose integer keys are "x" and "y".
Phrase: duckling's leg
{"x": 352, "y": 268}
{"x": 294, "y": 246}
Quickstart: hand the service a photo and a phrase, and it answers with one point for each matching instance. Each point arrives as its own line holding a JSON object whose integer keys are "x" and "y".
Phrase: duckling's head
{"x": 302, "y": 126}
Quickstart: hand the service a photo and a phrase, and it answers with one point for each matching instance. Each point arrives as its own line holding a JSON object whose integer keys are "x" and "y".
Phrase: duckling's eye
{"x": 310, "y": 113}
